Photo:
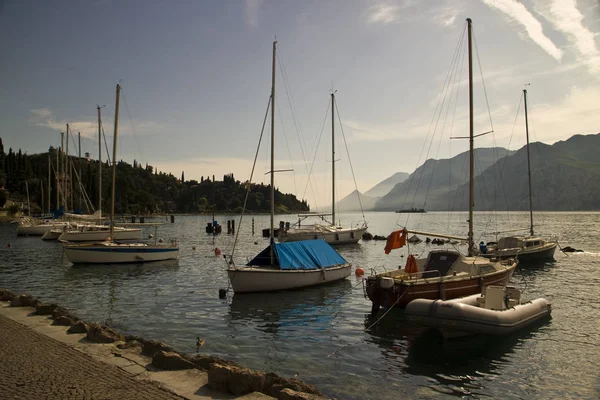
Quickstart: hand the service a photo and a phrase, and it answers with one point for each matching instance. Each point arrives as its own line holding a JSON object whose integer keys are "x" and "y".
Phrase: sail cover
{"x": 304, "y": 254}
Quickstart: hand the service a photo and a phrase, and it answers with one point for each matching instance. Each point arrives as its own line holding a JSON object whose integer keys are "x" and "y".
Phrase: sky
{"x": 196, "y": 79}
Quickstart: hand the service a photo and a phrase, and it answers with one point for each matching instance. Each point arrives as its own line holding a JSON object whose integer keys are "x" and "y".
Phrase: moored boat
{"x": 283, "y": 266}
{"x": 443, "y": 274}
{"x": 525, "y": 248}
{"x": 498, "y": 311}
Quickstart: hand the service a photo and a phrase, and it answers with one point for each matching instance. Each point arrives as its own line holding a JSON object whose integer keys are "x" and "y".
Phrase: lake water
{"x": 321, "y": 334}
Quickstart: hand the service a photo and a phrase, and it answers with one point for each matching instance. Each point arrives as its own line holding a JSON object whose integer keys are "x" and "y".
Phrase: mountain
{"x": 435, "y": 178}
{"x": 384, "y": 187}
{"x": 565, "y": 177}
{"x": 351, "y": 203}
{"x": 368, "y": 199}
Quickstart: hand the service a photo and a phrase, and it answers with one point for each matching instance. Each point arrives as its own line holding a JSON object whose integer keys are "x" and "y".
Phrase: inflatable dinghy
{"x": 497, "y": 312}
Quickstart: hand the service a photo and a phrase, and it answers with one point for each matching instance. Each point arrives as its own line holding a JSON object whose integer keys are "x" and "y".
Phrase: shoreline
{"x": 192, "y": 377}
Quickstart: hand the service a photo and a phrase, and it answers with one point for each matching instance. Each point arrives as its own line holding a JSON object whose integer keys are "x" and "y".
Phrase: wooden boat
{"x": 328, "y": 230}
{"x": 498, "y": 311}
{"x": 526, "y": 248}
{"x": 443, "y": 274}
{"x": 112, "y": 252}
{"x": 283, "y": 266}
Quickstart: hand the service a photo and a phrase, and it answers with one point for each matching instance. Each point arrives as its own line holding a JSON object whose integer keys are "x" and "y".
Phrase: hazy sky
{"x": 196, "y": 77}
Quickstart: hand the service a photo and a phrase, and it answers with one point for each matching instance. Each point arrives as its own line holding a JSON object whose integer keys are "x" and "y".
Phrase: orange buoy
{"x": 217, "y": 251}
{"x": 359, "y": 271}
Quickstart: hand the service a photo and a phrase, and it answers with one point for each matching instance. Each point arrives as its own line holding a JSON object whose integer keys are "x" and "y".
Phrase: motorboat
{"x": 525, "y": 248}
{"x": 444, "y": 274}
{"x": 498, "y": 311}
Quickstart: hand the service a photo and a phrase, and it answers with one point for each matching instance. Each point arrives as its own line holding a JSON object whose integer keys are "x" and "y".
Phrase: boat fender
{"x": 386, "y": 283}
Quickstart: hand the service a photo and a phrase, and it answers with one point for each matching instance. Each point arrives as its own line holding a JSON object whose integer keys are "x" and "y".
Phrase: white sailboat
{"x": 329, "y": 231}
{"x": 109, "y": 251}
{"x": 284, "y": 266}
{"x": 89, "y": 232}
{"x": 526, "y": 248}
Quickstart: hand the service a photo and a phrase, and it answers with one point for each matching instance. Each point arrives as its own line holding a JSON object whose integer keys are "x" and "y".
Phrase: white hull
{"x": 461, "y": 317}
{"x": 541, "y": 252}
{"x": 38, "y": 230}
{"x": 118, "y": 253}
{"x": 101, "y": 234}
{"x": 334, "y": 237}
{"x": 52, "y": 234}
{"x": 265, "y": 279}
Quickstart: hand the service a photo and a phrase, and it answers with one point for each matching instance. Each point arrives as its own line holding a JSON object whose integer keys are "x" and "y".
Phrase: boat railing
{"x": 421, "y": 274}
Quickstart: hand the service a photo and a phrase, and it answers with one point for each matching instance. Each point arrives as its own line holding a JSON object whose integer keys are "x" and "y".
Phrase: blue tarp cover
{"x": 304, "y": 254}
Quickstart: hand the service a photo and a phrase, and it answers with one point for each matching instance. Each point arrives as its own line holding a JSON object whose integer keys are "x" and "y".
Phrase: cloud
{"x": 445, "y": 16}
{"x": 44, "y": 117}
{"x": 565, "y": 16}
{"x": 383, "y": 13}
{"x": 252, "y": 9}
{"x": 515, "y": 11}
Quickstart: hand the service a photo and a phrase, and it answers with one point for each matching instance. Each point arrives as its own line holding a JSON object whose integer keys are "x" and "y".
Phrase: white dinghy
{"x": 497, "y": 312}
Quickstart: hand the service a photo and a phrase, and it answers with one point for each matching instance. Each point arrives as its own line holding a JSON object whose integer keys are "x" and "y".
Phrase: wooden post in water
{"x": 252, "y": 226}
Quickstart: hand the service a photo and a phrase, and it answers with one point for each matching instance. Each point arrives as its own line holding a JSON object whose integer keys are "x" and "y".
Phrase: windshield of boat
{"x": 441, "y": 262}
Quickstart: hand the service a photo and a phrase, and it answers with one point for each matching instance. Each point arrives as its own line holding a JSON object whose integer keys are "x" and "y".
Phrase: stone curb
{"x": 223, "y": 375}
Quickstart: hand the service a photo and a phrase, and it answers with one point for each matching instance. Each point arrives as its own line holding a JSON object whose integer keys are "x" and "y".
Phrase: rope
{"x": 368, "y": 327}
{"x": 250, "y": 179}
{"x": 350, "y": 162}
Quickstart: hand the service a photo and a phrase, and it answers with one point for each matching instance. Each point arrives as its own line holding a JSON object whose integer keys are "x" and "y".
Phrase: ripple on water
{"x": 324, "y": 335}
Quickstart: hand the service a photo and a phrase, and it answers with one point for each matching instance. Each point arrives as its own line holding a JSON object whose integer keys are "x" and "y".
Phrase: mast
{"x": 114, "y": 169}
{"x": 333, "y": 158}
{"x": 471, "y": 160}
{"x": 49, "y": 179}
{"x": 28, "y": 204}
{"x": 57, "y": 174}
{"x": 528, "y": 165}
{"x": 66, "y": 175}
{"x": 80, "y": 194}
{"x": 61, "y": 169}
{"x": 42, "y": 196}
{"x": 273, "y": 150}
{"x": 99, "y": 162}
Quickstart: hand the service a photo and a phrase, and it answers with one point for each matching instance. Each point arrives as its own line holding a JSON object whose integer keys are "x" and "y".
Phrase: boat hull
{"x": 541, "y": 253}
{"x": 339, "y": 237}
{"x": 265, "y": 279}
{"x": 405, "y": 291}
{"x": 98, "y": 254}
{"x": 100, "y": 235}
{"x": 52, "y": 234}
{"x": 37, "y": 230}
{"x": 461, "y": 317}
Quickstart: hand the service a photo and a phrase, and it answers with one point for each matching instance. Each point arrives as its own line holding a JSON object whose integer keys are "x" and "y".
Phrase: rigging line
{"x": 296, "y": 121}
{"x": 370, "y": 326}
{"x": 457, "y": 85}
{"x": 316, "y": 148}
{"x": 350, "y": 161}
{"x": 287, "y": 144}
{"x": 443, "y": 97}
{"x": 106, "y": 145}
{"x": 451, "y": 87}
{"x": 456, "y": 52}
{"x": 251, "y": 175}
{"x": 133, "y": 130}
{"x": 483, "y": 82}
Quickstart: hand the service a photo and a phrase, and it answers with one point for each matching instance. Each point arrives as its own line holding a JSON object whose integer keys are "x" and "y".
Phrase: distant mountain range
{"x": 368, "y": 199}
{"x": 565, "y": 177}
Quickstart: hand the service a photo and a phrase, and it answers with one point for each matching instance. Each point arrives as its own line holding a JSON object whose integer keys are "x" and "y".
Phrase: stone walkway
{"x": 35, "y": 366}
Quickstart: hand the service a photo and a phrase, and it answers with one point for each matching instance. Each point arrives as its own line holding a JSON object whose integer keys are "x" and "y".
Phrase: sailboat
{"x": 283, "y": 266}
{"x": 526, "y": 248}
{"x": 99, "y": 232}
{"x": 329, "y": 231}
{"x": 110, "y": 251}
{"x": 443, "y": 274}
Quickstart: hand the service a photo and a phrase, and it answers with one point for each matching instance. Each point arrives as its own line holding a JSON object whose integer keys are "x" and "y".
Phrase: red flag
{"x": 395, "y": 240}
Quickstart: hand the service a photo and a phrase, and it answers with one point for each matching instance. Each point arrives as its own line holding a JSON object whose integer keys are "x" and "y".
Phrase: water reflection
{"x": 105, "y": 272}
{"x": 276, "y": 312}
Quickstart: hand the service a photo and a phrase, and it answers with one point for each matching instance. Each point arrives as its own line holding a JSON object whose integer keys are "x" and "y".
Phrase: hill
{"x": 435, "y": 178}
{"x": 368, "y": 199}
{"x": 384, "y": 187}
{"x": 139, "y": 189}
